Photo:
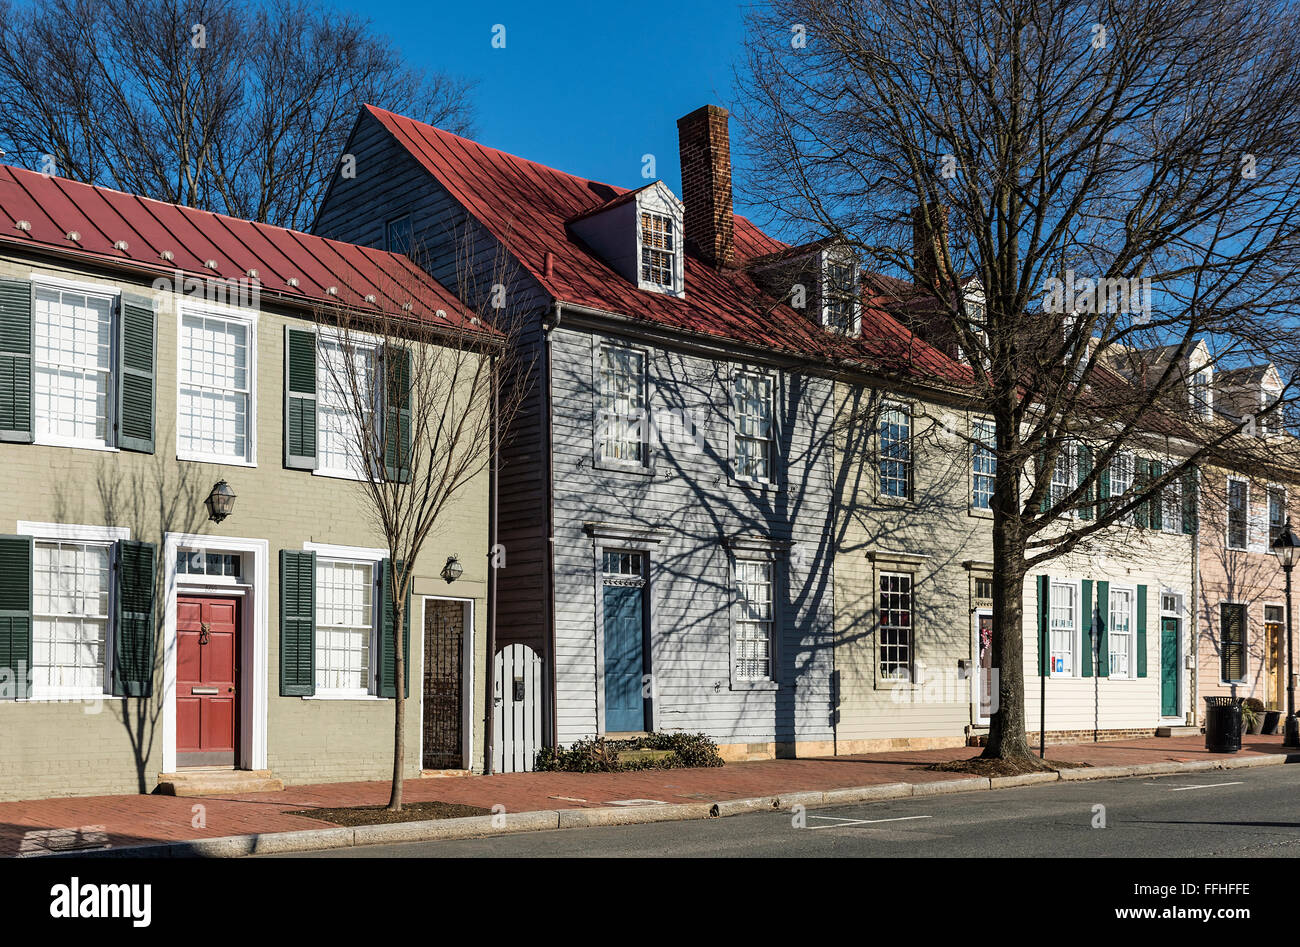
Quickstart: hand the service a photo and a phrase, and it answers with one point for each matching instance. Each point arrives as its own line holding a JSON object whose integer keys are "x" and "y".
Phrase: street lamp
{"x": 1285, "y": 547}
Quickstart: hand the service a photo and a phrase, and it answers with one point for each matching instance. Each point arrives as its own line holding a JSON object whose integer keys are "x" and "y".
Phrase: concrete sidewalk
{"x": 99, "y": 822}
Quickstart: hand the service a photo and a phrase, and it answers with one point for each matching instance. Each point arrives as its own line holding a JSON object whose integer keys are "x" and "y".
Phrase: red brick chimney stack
{"x": 705, "y": 149}
{"x": 928, "y": 244}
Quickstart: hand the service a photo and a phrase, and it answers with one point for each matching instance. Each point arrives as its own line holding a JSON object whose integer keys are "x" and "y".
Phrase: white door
{"x": 516, "y": 709}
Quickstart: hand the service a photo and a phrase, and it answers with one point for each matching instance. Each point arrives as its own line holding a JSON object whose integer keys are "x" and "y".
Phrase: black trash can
{"x": 1223, "y": 724}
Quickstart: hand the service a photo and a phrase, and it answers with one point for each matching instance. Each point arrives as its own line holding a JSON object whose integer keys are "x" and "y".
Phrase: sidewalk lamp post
{"x": 1285, "y": 547}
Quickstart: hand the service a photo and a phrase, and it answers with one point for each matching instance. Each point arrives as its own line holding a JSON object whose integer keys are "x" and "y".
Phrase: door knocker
{"x": 204, "y": 630}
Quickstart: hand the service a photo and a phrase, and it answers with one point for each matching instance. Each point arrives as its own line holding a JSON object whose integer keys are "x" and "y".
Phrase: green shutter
{"x": 1086, "y": 508}
{"x": 1232, "y": 664}
{"x": 1141, "y": 477}
{"x": 1189, "y": 502}
{"x": 1044, "y": 617}
{"x": 1103, "y": 491}
{"x": 16, "y": 333}
{"x": 133, "y": 632}
{"x": 1085, "y": 623}
{"x": 299, "y": 398}
{"x": 136, "y": 374}
{"x": 1142, "y": 631}
{"x": 15, "y": 615}
{"x": 387, "y": 662}
{"x": 1155, "y": 509}
{"x": 1045, "y": 503}
{"x": 397, "y": 418}
{"x": 297, "y": 623}
{"x": 1103, "y": 616}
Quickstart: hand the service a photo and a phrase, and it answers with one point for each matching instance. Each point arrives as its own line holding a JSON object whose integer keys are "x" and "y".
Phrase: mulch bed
{"x": 379, "y": 815}
{"x": 979, "y": 766}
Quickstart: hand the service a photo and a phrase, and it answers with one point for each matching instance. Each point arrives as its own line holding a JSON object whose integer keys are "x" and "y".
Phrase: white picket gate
{"x": 516, "y": 709}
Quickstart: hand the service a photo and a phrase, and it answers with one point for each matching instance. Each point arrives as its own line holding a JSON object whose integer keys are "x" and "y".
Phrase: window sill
{"x": 628, "y": 468}
{"x": 755, "y": 686}
{"x": 79, "y": 445}
{"x": 213, "y": 459}
{"x": 979, "y": 513}
{"x": 340, "y": 475}
{"x": 343, "y": 697}
{"x": 69, "y": 697}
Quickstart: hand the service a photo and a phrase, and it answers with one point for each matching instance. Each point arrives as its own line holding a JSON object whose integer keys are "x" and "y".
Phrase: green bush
{"x": 686, "y": 751}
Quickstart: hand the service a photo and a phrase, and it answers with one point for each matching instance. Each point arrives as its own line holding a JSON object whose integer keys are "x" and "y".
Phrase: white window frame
{"x": 1130, "y": 636}
{"x": 909, "y": 667}
{"x": 736, "y": 437}
{"x": 1127, "y": 462}
{"x": 660, "y": 202}
{"x": 363, "y": 555}
{"x": 186, "y": 306}
{"x": 909, "y": 465}
{"x": 86, "y": 535}
{"x": 1171, "y": 506}
{"x": 773, "y": 621}
{"x": 206, "y": 578}
{"x": 1202, "y": 382}
{"x": 828, "y": 259}
{"x": 643, "y": 426}
{"x": 1270, "y": 490}
{"x": 1056, "y": 494}
{"x": 977, "y": 443}
{"x": 114, "y": 295}
{"x": 328, "y": 336}
{"x": 1076, "y": 633}
{"x": 1245, "y": 509}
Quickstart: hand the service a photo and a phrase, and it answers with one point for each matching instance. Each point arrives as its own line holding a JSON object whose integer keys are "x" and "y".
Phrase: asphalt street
{"x": 1234, "y": 813}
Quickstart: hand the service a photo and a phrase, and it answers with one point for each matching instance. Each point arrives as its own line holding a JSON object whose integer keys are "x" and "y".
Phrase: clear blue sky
{"x": 585, "y": 87}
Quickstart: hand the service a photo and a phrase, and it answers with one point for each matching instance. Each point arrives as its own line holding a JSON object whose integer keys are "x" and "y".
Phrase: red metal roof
{"x": 526, "y": 205}
{"x": 53, "y": 207}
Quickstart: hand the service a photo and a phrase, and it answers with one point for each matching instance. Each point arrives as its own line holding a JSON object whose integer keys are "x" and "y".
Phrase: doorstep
{"x": 209, "y": 782}
{"x": 441, "y": 773}
{"x": 1178, "y": 730}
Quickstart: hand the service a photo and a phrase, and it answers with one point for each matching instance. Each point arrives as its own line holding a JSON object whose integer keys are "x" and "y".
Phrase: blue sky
{"x": 585, "y": 87}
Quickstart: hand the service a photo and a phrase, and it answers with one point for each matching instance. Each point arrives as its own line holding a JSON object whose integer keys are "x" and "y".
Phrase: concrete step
{"x": 217, "y": 782}
{"x": 1178, "y": 731}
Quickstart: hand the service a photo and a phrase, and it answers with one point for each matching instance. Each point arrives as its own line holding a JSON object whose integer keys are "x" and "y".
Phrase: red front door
{"x": 207, "y": 681}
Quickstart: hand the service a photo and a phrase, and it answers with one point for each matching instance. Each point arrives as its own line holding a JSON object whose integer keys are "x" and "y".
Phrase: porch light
{"x": 453, "y": 570}
{"x": 220, "y": 502}
{"x": 1285, "y": 546}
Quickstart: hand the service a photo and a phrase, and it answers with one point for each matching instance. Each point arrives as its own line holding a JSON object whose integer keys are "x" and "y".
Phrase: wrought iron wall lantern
{"x": 220, "y": 502}
{"x": 453, "y": 570}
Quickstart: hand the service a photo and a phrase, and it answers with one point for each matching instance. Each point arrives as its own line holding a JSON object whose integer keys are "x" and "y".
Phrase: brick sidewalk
{"x": 41, "y": 826}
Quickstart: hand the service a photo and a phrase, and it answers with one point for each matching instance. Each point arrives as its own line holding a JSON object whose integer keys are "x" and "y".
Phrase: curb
{"x": 315, "y": 840}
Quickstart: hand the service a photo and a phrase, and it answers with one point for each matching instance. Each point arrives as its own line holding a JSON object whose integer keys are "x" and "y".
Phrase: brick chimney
{"x": 705, "y": 149}
{"x": 928, "y": 243}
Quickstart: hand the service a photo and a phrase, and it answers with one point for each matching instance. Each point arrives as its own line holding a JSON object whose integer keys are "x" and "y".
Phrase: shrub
{"x": 685, "y": 751}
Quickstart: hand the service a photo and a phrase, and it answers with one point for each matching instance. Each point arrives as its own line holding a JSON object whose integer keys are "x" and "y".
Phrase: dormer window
{"x": 841, "y": 311}
{"x": 1202, "y": 403}
{"x": 658, "y": 250}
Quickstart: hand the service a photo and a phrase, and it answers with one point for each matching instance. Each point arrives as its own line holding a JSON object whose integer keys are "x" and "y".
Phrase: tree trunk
{"x": 399, "y": 704}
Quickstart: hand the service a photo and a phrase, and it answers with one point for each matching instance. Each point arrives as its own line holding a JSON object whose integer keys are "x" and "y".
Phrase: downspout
{"x": 493, "y": 491}
{"x": 550, "y": 535}
{"x": 1194, "y": 623}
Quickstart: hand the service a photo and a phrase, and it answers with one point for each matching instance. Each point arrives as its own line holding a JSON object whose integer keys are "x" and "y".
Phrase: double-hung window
{"x": 896, "y": 625}
{"x": 1120, "y": 634}
{"x": 1238, "y": 507}
{"x": 70, "y": 611}
{"x": 1062, "y": 475}
{"x": 1276, "y": 513}
{"x": 658, "y": 253}
{"x": 1121, "y": 479}
{"x": 840, "y": 296}
{"x": 345, "y": 419}
{"x": 623, "y": 428}
{"x": 752, "y": 407}
{"x": 754, "y": 619}
{"x": 214, "y": 410}
{"x": 73, "y": 370}
{"x": 345, "y": 627}
{"x": 1171, "y": 503}
{"x": 984, "y": 463}
{"x": 895, "y": 450}
{"x": 1064, "y": 629}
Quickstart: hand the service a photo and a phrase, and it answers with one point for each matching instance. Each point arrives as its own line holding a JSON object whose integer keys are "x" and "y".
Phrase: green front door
{"x": 1169, "y": 667}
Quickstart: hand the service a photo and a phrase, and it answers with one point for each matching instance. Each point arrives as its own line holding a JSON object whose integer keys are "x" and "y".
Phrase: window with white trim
{"x": 1238, "y": 507}
{"x": 895, "y": 450}
{"x": 1120, "y": 633}
{"x": 1121, "y": 479}
{"x": 1276, "y": 513}
{"x": 73, "y": 366}
{"x": 984, "y": 463}
{"x": 658, "y": 250}
{"x": 840, "y": 306}
{"x": 214, "y": 418}
{"x": 1064, "y": 628}
{"x": 1171, "y": 503}
{"x": 751, "y": 401}
{"x": 896, "y": 626}
{"x": 1201, "y": 395}
{"x": 1062, "y": 475}
{"x": 70, "y": 614}
{"x": 345, "y": 626}
{"x": 339, "y": 428}
{"x": 754, "y": 608}
{"x": 622, "y": 435}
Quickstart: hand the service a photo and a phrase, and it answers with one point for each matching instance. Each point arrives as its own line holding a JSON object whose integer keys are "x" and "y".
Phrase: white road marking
{"x": 844, "y": 823}
{"x": 1206, "y": 786}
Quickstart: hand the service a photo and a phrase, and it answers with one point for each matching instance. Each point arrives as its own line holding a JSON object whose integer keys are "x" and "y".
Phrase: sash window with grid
{"x": 984, "y": 463}
{"x": 896, "y": 624}
{"x": 895, "y": 451}
{"x": 840, "y": 296}
{"x": 345, "y": 626}
{"x": 70, "y": 599}
{"x": 754, "y": 607}
{"x": 1238, "y": 507}
{"x": 658, "y": 253}
{"x": 752, "y": 404}
{"x": 215, "y": 388}
{"x": 1064, "y": 629}
{"x": 73, "y": 367}
{"x": 622, "y": 405}
{"x": 1276, "y": 514}
{"x": 340, "y": 425}
{"x": 1120, "y": 632}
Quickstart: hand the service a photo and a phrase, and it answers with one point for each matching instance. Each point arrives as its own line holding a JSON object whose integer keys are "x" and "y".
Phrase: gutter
{"x": 493, "y": 493}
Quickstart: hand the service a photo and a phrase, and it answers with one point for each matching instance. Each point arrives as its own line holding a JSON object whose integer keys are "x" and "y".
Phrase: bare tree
{"x": 1067, "y": 197}
{"x": 422, "y": 394}
{"x": 239, "y": 108}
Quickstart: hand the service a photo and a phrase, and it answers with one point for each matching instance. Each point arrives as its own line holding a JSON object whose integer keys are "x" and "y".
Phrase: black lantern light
{"x": 453, "y": 570}
{"x": 221, "y": 501}
{"x": 1285, "y": 547}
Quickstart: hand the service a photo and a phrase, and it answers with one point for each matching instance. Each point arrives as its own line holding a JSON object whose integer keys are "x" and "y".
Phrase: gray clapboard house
{"x": 665, "y": 496}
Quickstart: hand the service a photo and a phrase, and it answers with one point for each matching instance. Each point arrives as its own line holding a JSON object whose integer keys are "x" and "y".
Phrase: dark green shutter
{"x": 1142, "y": 631}
{"x": 1141, "y": 477}
{"x": 1044, "y": 619}
{"x": 16, "y": 333}
{"x": 1085, "y": 619}
{"x": 1103, "y": 490}
{"x": 387, "y": 663}
{"x": 1232, "y": 619}
{"x": 299, "y": 398}
{"x": 1045, "y": 503}
{"x": 15, "y": 615}
{"x": 1086, "y": 508}
{"x": 1103, "y": 617}
{"x": 397, "y": 418}
{"x": 133, "y": 668}
{"x": 1189, "y": 502}
{"x": 297, "y": 623}
{"x": 136, "y": 374}
{"x": 1156, "y": 507}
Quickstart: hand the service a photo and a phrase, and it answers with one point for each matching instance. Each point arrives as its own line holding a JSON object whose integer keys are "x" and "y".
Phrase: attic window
{"x": 658, "y": 251}
{"x": 1201, "y": 403}
{"x": 840, "y": 309}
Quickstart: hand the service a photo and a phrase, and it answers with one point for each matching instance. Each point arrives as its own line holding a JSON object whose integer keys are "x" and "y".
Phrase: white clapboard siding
{"x": 516, "y": 724}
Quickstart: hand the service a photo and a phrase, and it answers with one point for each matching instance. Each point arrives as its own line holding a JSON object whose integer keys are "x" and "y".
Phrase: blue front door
{"x": 624, "y": 706}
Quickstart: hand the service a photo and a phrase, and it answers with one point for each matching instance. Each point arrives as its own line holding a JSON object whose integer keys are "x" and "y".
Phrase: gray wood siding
{"x": 692, "y": 499}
